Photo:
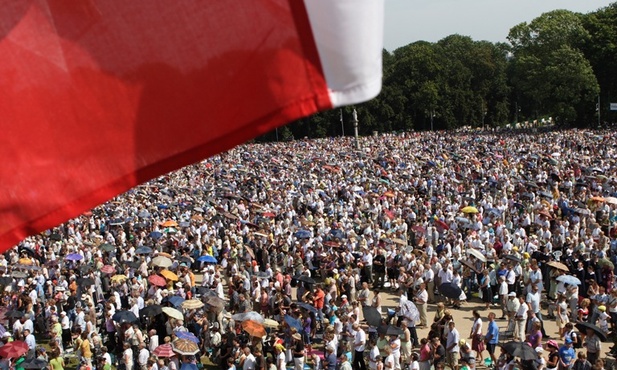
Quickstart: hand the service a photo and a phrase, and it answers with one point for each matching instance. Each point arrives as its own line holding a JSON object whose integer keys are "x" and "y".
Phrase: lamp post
{"x": 354, "y": 120}
{"x": 342, "y": 125}
{"x": 432, "y": 116}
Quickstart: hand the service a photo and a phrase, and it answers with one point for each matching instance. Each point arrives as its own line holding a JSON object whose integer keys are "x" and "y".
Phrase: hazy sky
{"x": 408, "y": 21}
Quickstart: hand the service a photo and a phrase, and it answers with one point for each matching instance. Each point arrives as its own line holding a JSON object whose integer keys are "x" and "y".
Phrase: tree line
{"x": 558, "y": 65}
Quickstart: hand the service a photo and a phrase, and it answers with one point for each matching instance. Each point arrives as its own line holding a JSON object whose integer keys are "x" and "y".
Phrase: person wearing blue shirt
{"x": 492, "y": 336}
{"x": 566, "y": 354}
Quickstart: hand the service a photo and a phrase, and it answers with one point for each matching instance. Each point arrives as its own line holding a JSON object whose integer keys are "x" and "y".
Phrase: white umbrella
{"x": 161, "y": 261}
{"x": 476, "y": 253}
{"x": 610, "y": 200}
{"x": 173, "y": 313}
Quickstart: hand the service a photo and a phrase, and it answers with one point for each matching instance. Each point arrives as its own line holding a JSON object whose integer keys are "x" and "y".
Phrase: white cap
{"x": 512, "y": 294}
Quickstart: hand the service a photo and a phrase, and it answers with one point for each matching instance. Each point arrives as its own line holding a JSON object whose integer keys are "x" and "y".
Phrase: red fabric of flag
{"x": 99, "y": 96}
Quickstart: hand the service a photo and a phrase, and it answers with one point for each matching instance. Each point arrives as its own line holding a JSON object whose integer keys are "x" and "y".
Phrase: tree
{"x": 550, "y": 72}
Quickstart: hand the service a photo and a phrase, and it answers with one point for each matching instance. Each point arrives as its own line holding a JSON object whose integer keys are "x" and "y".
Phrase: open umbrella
{"x": 251, "y": 315}
{"x": 6, "y": 281}
{"x": 558, "y": 266}
{"x": 605, "y": 262}
{"x": 569, "y": 279}
{"x": 185, "y": 347}
{"x": 25, "y": 261}
{"x": 583, "y": 326}
{"x": 371, "y": 315}
{"x": 521, "y": 350}
{"x": 164, "y": 351}
{"x": 124, "y": 316}
{"x": 169, "y": 275}
{"x": 293, "y": 323}
{"x": 13, "y": 314}
{"x": 85, "y": 282}
{"x": 308, "y": 307}
{"x": 192, "y": 304}
{"x": 169, "y": 223}
{"x": 450, "y": 290}
{"x": 156, "y": 235}
{"x": 14, "y": 349}
{"x": 175, "y": 300}
{"x": 399, "y": 241}
{"x": 157, "y": 280}
{"x": 74, "y": 257}
{"x": 188, "y": 366}
{"x": 303, "y": 234}
{"x": 143, "y": 250}
{"x": 214, "y": 301}
{"x": 108, "y": 269}
{"x": 390, "y": 330}
{"x": 19, "y": 274}
{"x": 161, "y": 261}
{"x": 34, "y": 363}
{"x": 132, "y": 264}
{"x": 187, "y": 335}
{"x": 254, "y": 329}
{"x": 107, "y": 247}
{"x": 207, "y": 259}
{"x": 512, "y": 257}
{"x": 476, "y": 253}
{"x": 305, "y": 279}
{"x": 173, "y": 313}
{"x": 470, "y": 209}
{"x": 611, "y": 200}
{"x": 470, "y": 265}
{"x": 119, "y": 278}
{"x": 151, "y": 310}
{"x": 269, "y": 323}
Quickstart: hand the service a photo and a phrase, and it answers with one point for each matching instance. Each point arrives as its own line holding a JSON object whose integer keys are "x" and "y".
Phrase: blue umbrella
{"x": 175, "y": 300}
{"x": 308, "y": 307}
{"x": 187, "y": 335}
{"x": 188, "y": 366}
{"x": 74, "y": 257}
{"x": 569, "y": 279}
{"x": 303, "y": 234}
{"x": 293, "y": 323}
{"x": 207, "y": 259}
{"x": 143, "y": 250}
{"x": 156, "y": 235}
{"x": 162, "y": 206}
{"x": 337, "y": 233}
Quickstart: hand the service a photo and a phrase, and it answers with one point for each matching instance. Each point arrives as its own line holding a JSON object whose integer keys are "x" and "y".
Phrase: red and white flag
{"x": 101, "y": 95}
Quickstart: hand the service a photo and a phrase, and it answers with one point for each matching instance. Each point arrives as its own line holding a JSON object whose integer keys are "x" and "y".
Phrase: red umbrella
{"x": 331, "y": 244}
{"x": 108, "y": 269}
{"x": 442, "y": 224}
{"x": 157, "y": 280}
{"x": 164, "y": 351}
{"x": 269, "y": 214}
{"x": 389, "y": 213}
{"x": 14, "y": 349}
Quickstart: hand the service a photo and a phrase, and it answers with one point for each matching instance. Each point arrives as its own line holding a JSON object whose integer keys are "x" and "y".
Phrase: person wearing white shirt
{"x": 359, "y": 344}
{"x": 30, "y": 341}
{"x": 521, "y": 319}
{"x": 142, "y": 358}
{"x": 452, "y": 347}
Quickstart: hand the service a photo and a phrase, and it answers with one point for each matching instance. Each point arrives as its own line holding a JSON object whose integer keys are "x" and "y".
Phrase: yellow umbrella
{"x": 164, "y": 254}
{"x": 25, "y": 261}
{"x": 170, "y": 223}
{"x": 192, "y": 304}
{"x": 173, "y": 313}
{"x": 118, "y": 278}
{"x": 169, "y": 275}
{"x": 470, "y": 209}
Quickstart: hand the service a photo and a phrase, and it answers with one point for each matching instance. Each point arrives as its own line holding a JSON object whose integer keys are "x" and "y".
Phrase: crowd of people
{"x": 284, "y": 254}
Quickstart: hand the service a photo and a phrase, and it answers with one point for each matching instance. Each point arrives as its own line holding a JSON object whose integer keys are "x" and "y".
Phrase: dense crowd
{"x": 280, "y": 254}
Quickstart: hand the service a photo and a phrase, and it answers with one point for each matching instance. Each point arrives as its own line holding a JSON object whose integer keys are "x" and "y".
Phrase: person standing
{"x": 421, "y": 300}
{"x": 429, "y": 279}
{"x": 379, "y": 269}
{"x": 345, "y": 365}
{"x": 566, "y": 355}
{"x": 521, "y": 319}
{"x": 359, "y": 345}
{"x": 298, "y": 351}
{"x": 476, "y": 335}
{"x": 533, "y": 300}
{"x": 492, "y": 337}
{"x": 593, "y": 346}
{"x": 452, "y": 347}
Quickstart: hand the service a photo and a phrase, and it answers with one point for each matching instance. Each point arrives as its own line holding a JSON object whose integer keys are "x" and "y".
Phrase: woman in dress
{"x": 562, "y": 314}
{"x": 476, "y": 335}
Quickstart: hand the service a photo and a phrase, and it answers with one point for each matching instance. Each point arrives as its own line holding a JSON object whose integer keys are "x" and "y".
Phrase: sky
{"x": 408, "y": 21}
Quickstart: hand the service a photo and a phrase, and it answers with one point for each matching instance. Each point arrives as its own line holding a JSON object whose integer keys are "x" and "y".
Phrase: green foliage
{"x": 556, "y": 65}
